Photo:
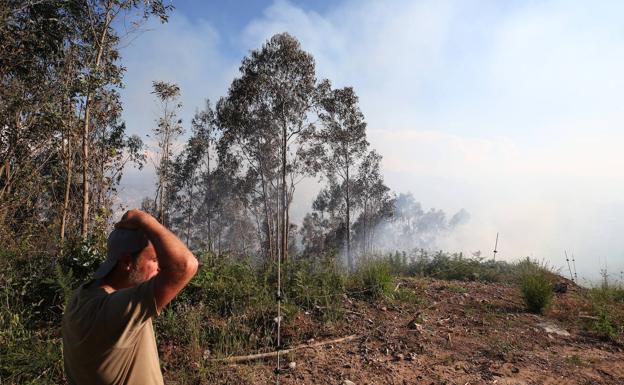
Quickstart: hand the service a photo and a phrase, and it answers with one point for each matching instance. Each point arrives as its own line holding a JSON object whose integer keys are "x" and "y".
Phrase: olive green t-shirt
{"x": 108, "y": 338}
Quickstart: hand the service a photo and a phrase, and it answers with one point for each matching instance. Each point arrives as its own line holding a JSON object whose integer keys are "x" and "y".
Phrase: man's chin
{"x": 136, "y": 280}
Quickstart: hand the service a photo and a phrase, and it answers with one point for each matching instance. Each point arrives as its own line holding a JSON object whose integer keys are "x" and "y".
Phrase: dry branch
{"x": 258, "y": 356}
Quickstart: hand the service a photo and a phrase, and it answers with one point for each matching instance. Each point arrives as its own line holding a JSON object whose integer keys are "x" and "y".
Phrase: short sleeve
{"x": 127, "y": 310}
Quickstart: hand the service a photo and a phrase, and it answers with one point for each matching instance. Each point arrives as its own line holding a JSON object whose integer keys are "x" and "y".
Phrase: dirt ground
{"x": 458, "y": 333}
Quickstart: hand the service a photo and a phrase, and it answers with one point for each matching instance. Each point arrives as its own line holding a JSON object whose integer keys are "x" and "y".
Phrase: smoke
{"x": 412, "y": 227}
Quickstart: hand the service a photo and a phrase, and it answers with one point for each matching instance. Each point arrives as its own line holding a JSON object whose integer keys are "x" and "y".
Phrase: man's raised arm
{"x": 176, "y": 262}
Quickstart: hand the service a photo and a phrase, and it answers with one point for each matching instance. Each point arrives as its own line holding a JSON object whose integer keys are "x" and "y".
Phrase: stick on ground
{"x": 258, "y": 356}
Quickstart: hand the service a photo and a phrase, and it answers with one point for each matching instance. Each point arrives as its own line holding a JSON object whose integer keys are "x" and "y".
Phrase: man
{"x": 107, "y": 330}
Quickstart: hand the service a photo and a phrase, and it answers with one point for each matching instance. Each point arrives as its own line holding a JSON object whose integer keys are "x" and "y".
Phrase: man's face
{"x": 145, "y": 267}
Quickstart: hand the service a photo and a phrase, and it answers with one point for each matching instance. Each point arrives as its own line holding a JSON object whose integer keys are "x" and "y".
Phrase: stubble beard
{"x": 136, "y": 276}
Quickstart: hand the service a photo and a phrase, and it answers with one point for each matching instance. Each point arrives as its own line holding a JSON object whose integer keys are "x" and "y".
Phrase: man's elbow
{"x": 182, "y": 270}
{"x": 192, "y": 266}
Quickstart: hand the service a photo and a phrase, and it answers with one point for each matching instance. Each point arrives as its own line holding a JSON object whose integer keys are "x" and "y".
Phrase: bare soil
{"x": 456, "y": 333}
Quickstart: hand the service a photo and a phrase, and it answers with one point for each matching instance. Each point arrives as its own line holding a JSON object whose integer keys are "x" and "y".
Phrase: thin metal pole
{"x": 568, "y": 262}
{"x": 574, "y": 265}
{"x": 279, "y": 318}
{"x": 279, "y": 280}
{"x": 496, "y": 247}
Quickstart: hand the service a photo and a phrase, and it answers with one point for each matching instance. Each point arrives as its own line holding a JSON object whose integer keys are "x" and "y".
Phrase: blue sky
{"x": 510, "y": 109}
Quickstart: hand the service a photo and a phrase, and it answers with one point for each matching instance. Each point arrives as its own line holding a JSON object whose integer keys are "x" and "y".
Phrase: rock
{"x": 292, "y": 365}
{"x": 347, "y": 382}
{"x": 515, "y": 370}
{"x": 399, "y": 357}
{"x": 551, "y": 328}
{"x": 560, "y": 287}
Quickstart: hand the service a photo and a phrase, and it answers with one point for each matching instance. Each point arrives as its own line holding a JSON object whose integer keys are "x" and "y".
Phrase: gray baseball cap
{"x": 120, "y": 242}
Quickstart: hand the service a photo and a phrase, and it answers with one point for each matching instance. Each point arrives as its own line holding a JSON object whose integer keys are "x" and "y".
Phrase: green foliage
{"x": 448, "y": 266}
{"x": 34, "y": 290}
{"x": 228, "y": 306}
{"x": 604, "y": 326}
{"x": 372, "y": 279}
{"x": 604, "y": 301}
{"x": 536, "y": 286}
{"x": 606, "y": 293}
{"x": 228, "y": 288}
{"x": 311, "y": 286}
{"x": 30, "y": 351}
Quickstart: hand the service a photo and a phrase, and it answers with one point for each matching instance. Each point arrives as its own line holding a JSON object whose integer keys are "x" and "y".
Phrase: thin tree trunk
{"x": 67, "y": 189}
{"x": 85, "y": 170}
{"x": 267, "y": 214}
{"x": 278, "y": 220}
{"x": 86, "y": 129}
{"x": 210, "y": 196}
{"x": 349, "y": 258}
{"x": 162, "y": 187}
{"x": 284, "y": 203}
{"x": 190, "y": 211}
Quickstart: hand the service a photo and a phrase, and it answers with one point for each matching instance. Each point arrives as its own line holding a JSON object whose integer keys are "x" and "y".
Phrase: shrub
{"x": 315, "y": 286}
{"x": 604, "y": 326}
{"x": 372, "y": 279}
{"x": 606, "y": 302}
{"x": 536, "y": 286}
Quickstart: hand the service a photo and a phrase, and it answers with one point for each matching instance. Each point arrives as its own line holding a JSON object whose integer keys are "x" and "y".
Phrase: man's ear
{"x": 126, "y": 262}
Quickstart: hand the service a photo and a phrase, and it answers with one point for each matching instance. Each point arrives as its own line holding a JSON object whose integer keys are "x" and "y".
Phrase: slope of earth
{"x": 455, "y": 333}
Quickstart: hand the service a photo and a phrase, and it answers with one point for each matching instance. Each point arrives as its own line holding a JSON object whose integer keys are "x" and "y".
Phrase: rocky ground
{"x": 448, "y": 333}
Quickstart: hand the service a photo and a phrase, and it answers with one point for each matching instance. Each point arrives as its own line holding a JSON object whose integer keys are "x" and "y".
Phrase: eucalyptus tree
{"x": 206, "y": 131}
{"x": 98, "y": 44}
{"x": 325, "y": 229}
{"x": 374, "y": 199}
{"x": 266, "y": 121}
{"x": 343, "y": 142}
{"x": 168, "y": 128}
{"x": 192, "y": 183}
{"x": 33, "y": 74}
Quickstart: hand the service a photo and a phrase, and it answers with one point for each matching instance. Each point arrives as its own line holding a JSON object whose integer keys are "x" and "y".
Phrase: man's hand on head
{"x": 133, "y": 220}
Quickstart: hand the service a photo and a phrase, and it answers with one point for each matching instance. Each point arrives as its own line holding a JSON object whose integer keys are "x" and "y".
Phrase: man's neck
{"x": 113, "y": 283}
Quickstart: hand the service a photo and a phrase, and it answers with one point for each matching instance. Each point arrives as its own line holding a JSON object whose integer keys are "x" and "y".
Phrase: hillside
{"x": 451, "y": 332}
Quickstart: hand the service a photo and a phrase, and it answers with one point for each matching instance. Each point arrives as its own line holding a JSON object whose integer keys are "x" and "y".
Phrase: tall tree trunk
{"x": 284, "y": 202}
{"x": 349, "y": 258}
{"x": 210, "y": 200}
{"x": 67, "y": 189}
{"x": 163, "y": 172}
{"x": 278, "y": 220}
{"x": 86, "y": 129}
{"x": 85, "y": 170}
{"x": 267, "y": 215}
{"x": 190, "y": 211}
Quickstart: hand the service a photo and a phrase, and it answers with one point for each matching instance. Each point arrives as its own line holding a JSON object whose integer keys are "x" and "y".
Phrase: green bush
{"x": 372, "y": 279}
{"x": 28, "y": 355}
{"x": 604, "y": 326}
{"x": 536, "y": 286}
{"x": 447, "y": 266}
{"x": 315, "y": 286}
